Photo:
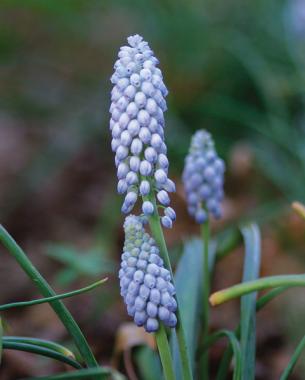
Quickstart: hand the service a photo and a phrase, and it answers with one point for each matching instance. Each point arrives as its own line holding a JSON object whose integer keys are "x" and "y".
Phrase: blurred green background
{"x": 236, "y": 68}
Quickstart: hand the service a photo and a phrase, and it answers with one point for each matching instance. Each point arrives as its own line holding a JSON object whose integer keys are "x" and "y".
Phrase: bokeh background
{"x": 236, "y": 68}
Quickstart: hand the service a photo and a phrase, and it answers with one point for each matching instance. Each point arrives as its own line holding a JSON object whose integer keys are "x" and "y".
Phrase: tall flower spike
{"x": 145, "y": 284}
{"x": 137, "y": 127}
{"x": 203, "y": 177}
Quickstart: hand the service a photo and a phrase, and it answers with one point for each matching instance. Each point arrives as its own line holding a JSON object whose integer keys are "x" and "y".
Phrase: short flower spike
{"x": 137, "y": 126}
{"x": 203, "y": 178}
{"x": 146, "y": 285}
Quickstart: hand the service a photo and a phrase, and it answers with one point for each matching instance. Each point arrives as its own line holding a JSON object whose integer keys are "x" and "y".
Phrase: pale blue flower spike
{"x": 146, "y": 285}
{"x": 137, "y": 125}
{"x": 203, "y": 178}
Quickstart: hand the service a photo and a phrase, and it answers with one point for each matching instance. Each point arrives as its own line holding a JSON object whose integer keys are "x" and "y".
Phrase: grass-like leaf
{"x": 297, "y": 353}
{"x": 53, "y": 298}
{"x": 63, "y": 313}
{"x": 284, "y": 281}
{"x": 252, "y": 260}
{"x": 41, "y": 343}
{"x": 39, "y": 350}
{"x": 188, "y": 281}
{"x": 148, "y": 363}
{"x": 83, "y": 374}
{"x": 234, "y": 345}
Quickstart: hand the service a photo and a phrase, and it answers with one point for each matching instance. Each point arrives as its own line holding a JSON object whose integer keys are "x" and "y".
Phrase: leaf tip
{"x": 299, "y": 208}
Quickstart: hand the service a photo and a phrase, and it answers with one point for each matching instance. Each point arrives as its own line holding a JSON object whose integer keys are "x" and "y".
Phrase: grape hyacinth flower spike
{"x": 137, "y": 127}
{"x": 203, "y": 178}
{"x": 145, "y": 284}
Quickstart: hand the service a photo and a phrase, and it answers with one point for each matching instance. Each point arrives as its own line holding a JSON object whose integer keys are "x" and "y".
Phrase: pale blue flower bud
{"x": 156, "y": 141}
{"x": 121, "y": 152}
{"x": 162, "y": 161}
{"x": 169, "y": 186}
{"x": 151, "y": 325}
{"x": 148, "y": 208}
{"x": 145, "y": 168}
{"x": 170, "y": 213}
{"x": 152, "y": 310}
{"x": 166, "y": 222}
{"x": 143, "y": 118}
{"x": 150, "y": 154}
{"x": 132, "y": 110}
{"x": 130, "y": 92}
{"x": 163, "y": 198}
{"x": 132, "y": 178}
{"x": 160, "y": 176}
{"x": 123, "y": 120}
{"x": 134, "y": 163}
{"x": 122, "y": 171}
{"x": 144, "y": 188}
{"x": 136, "y": 146}
{"x": 140, "y": 99}
{"x": 145, "y": 135}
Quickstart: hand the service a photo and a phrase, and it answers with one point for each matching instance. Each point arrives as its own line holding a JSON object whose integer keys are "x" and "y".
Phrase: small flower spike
{"x": 203, "y": 177}
{"x": 137, "y": 127}
{"x": 145, "y": 284}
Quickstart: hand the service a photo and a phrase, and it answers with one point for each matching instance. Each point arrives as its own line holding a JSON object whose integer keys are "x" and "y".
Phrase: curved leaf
{"x": 53, "y": 298}
{"x": 39, "y": 350}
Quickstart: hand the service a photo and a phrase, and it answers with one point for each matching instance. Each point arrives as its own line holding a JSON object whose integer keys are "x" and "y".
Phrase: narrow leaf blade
{"x": 252, "y": 260}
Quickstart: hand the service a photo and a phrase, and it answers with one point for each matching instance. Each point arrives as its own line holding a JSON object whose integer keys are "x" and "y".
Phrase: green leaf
{"x": 39, "y": 350}
{"x": 41, "y": 343}
{"x": 188, "y": 282}
{"x": 83, "y": 374}
{"x": 234, "y": 345}
{"x": 252, "y": 260}
{"x": 148, "y": 363}
{"x": 282, "y": 281}
{"x": 52, "y": 298}
{"x": 62, "y": 312}
{"x": 296, "y": 355}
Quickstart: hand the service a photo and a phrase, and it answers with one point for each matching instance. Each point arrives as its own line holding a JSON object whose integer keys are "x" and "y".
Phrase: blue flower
{"x": 137, "y": 124}
{"x": 203, "y": 178}
{"x": 145, "y": 284}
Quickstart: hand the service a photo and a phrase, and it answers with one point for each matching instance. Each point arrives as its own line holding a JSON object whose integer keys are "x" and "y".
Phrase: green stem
{"x": 204, "y": 362}
{"x": 165, "y": 354}
{"x": 253, "y": 286}
{"x": 293, "y": 361}
{"x": 54, "y": 298}
{"x": 46, "y": 290}
{"x": 39, "y": 350}
{"x": 157, "y": 232}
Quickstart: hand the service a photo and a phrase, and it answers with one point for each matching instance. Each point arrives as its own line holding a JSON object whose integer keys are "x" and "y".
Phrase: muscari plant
{"x": 174, "y": 307}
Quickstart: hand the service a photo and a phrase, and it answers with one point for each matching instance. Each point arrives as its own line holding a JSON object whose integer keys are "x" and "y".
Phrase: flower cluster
{"x": 137, "y": 127}
{"x": 203, "y": 178}
{"x": 145, "y": 284}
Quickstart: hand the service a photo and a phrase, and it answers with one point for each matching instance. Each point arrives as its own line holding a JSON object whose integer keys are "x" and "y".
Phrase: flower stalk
{"x": 157, "y": 233}
{"x": 205, "y": 232}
